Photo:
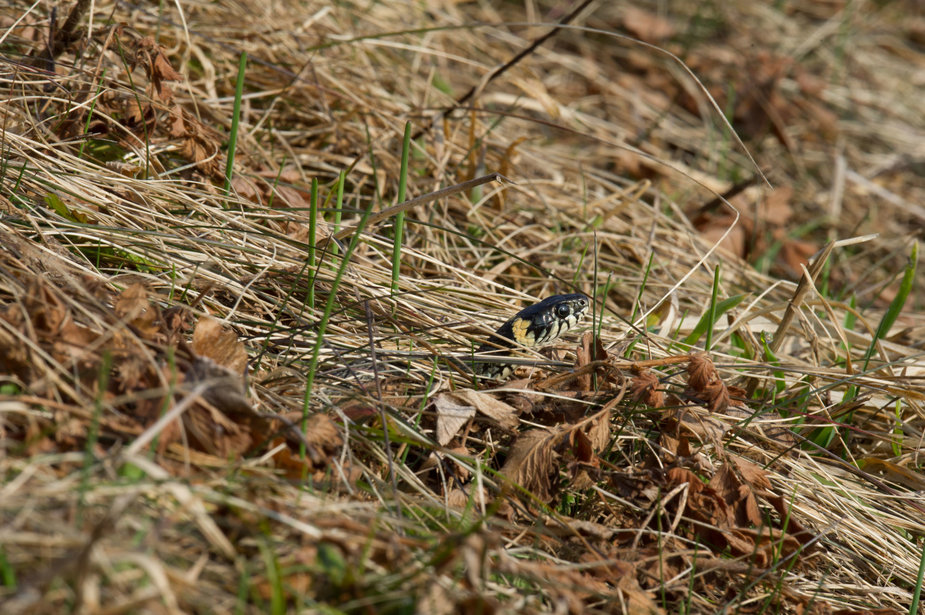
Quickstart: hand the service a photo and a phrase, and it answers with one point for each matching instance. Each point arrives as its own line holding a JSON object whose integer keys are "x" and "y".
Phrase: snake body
{"x": 533, "y": 326}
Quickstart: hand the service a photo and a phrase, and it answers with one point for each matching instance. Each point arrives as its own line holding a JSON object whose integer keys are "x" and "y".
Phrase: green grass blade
{"x": 338, "y": 208}
{"x": 896, "y": 306}
{"x": 711, "y": 313}
{"x": 917, "y": 592}
{"x": 326, "y": 316}
{"x": 400, "y": 217}
{"x": 96, "y": 97}
{"x": 235, "y": 119}
{"x": 312, "y": 227}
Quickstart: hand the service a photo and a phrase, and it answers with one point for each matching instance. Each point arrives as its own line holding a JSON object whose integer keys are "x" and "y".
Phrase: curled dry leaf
{"x": 73, "y": 344}
{"x": 220, "y": 362}
{"x": 763, "y": 546}
{"x": 644, "y": 389}
{"x": 753, "y": 474}
{"x": 704, "y": 380}
{"x": 783, "y": 507}
{"x": 450, "y": 466}
{"x": 680, "y": 447}
{"x": 200, "y": 144}
{"x": 703, "y": 502}
{"x": 581, "y": 446}
{"x": 717, "y": 396}
{"x": 151, "y": 56}
{"x": 458, "y": 498}
{"x": 321, "y": 432}
{"x": 300, "y": 232}
{"x": 700, "y": 371}
{"x": 323, "y": 442}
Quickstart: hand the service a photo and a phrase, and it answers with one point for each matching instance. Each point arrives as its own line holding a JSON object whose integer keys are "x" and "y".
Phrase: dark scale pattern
{"x": 533, "y": 326}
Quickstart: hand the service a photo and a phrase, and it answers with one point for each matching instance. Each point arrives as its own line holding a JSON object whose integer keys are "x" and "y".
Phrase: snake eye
{"x": 563, "y": 310}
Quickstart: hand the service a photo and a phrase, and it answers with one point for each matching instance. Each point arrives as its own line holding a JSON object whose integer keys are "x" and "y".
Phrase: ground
{"x": 250, "y": 248}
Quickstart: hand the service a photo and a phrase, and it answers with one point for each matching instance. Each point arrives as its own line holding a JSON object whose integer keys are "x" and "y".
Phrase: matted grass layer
{"x": 208, "y": 406}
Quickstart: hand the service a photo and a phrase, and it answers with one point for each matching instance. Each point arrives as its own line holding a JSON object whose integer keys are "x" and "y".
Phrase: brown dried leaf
{"x": 213, "y": 432}
{"x": 764, "y": 545}
{"x": 226, "y": 389}
{"x": 72, "y": 344}
{"x": 133, "y": 369}
{"x": 199, "y": 143}
{"x": 486, "y": 403}
{"x": 452, "y": 466}
{"x": 581, "y": 446}
{"x": 133, "y": 307}
{"x": 644, "y": 389}
{"x": 151, "y": 56}
{"x": 323, "y": 441}
{"x": 589, "y": 350}
{"x": 459, "y": 498}
{"x": 294, "y": 466}
{"x": 292, "y": 198}
{"x": 599, "y": 432}
{"x": 451, "y": 416}
{"x": 634, "y": 485}
{"x": 218, "y": 342}
{"x": 531, "y": 462}
{"x": 714, "y": 229}
{"x": 637, "y": 600}
{"x": 752, "y": 473}
{"x": 674, "y": 445}
{"x": 647, "y": 26}
{"x": 289, "y": 175}
{"x": 776, "y": 209}
{"x": 794, "y": 253}
{"x": 46, "y": 310}
{"x": 717, "y": 396}
{"x": 322, "y": 433}
{"x": 131, "y": 302}
{"x": 245, "y": 187}
{"x": 703, "y": 502}
{"x": 687, "y": 421}
{"x": 794, "y": 527}
{"x": 700, "y": 371}
{"x": 740, "y": 498}
{"x": 14, "y": 355}
{"x": 300, "y": 232}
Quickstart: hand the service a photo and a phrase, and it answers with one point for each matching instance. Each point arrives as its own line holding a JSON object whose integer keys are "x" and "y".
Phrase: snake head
{"x": 545, "y": 321}
{"x": 534, "y": 326}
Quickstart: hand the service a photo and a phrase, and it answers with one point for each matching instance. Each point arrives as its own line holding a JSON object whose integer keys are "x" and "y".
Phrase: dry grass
{"x": 140, "y": 474}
